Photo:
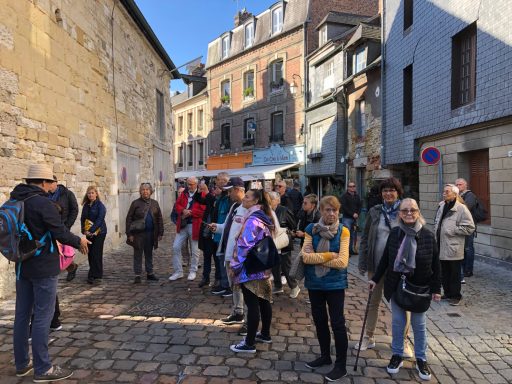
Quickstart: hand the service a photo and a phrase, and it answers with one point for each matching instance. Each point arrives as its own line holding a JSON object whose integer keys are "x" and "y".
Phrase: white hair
{"x": 274, "y": 195}
{"x": 453, "y": 187}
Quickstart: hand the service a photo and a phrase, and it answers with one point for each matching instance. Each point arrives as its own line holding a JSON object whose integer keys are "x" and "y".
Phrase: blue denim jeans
{"x": 469, "y": 254}
{"x": 224, "y": 282}
{"x": 419, "y": 329}
{"x": 37, "y": 295}
{"x": 349, "y": 223}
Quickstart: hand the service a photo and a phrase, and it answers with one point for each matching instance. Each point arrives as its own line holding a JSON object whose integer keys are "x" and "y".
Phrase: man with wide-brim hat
{"x": 36, "y": 285}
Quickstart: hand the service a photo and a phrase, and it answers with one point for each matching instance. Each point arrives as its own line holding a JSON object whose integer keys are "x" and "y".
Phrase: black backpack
{"x": 479, "y": 212}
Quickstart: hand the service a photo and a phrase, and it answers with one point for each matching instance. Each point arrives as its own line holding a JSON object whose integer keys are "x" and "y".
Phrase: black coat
{"x": 67, "y": 202}
{"x": 350, "y": 204}
{"x": 286, "y": 220}
{"x": 428, "y": 267}
{"x": 296, "y": 198}
{"x": 41, "y": 216}
{"x": 137, "y": 211}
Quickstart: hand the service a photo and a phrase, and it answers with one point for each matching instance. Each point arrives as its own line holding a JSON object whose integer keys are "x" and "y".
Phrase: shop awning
{"x": 260, "y": 172}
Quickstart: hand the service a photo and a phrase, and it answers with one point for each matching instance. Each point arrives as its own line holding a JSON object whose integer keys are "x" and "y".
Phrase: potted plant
{"x": 276, "y": 85}
{"x": 249, "y": 92}
{"x": 225, "y": 99}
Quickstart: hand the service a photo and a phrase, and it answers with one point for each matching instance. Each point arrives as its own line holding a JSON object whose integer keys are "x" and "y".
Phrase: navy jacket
{"x": 96, "y": 213}
{"x": 41, "y": 216}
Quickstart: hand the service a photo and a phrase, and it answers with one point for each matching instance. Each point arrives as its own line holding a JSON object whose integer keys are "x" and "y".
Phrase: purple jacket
{"x": 255, "y": 228}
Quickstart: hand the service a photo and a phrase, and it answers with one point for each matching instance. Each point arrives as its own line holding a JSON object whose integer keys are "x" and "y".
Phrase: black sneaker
{"x": 395, "y": 364}
{"x": 57, "y": 326}
{"x": 263, "y": 339}
{"x": 90, "y": 280}
{"x": 236, "y": 318}
{"x": 137, "y": 280}
{"x": 423, "y": 369}
{"x": 71, "y": 275}
{"x": 25, "y": 371}
{"x": 243, "y": 330}
{"x": 321, "y": 361}
{"x": 336, "y": 373}
{"x": 455, "y": 302}
{"x": 57, "y": 374}
{"x": 217, "y": 291}
{"x": 151, "y": 277}
{"x": 204, "y": 282}
{"x": 227, "y": 293}
{"x": 242, "y": 347}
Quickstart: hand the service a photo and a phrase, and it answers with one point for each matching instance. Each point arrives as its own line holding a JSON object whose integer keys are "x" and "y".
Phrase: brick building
{"x": 446, "y": 84}
{"x": 257, "y": 83}
{"x": 84, "y": 86}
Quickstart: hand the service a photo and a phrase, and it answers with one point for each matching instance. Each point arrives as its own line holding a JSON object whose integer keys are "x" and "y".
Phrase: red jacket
{"x": 197, "y": 213}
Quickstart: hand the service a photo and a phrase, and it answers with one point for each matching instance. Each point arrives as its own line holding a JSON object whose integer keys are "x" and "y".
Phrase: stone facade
{"x": 62, "y": 103}
{"x": 480, "y": 127}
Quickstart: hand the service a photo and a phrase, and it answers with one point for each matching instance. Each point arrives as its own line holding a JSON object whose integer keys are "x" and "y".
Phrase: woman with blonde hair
{"x": 94, "y": 228}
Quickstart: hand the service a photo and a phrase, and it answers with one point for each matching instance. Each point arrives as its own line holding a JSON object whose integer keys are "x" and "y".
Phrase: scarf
{"x": 405, "y": 261}
{"x": 327, "y": 233}
{"x": 55, "y": 195}
{"x": 390, "y": 212}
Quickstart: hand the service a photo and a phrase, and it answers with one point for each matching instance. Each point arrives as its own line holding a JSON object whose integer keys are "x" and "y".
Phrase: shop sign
{"x": 277, "y": 154}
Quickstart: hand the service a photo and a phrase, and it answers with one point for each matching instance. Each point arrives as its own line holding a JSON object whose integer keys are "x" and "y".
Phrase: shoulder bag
{"x": 262, "y": 256}
{"x": 281, "y": 239}
{"x": 411, "y": 297}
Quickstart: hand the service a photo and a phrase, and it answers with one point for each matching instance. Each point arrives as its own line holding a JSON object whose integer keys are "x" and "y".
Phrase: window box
{"x": 225, "y": 99}
{"x": 317, "y": 155}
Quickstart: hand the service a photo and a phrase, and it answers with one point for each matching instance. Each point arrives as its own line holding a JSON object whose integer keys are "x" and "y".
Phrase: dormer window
{"x": 277, "y": 20}
{"x": 249, "y": 35}
{"x": 360, "y": 59}
{"x": 322, "y": 35}
{"x": 225, "y": 47}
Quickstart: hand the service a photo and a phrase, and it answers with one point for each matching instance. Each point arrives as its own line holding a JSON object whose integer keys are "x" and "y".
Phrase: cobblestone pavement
{"x": 169, "y": 332}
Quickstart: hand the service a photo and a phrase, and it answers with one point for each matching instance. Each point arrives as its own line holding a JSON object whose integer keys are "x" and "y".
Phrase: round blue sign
{"x": 431, "y": 155}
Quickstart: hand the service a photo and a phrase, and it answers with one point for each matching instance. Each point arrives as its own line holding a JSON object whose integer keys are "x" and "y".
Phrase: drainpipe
{"x": 383, "y": 87}
{"x": 305, "y": 92}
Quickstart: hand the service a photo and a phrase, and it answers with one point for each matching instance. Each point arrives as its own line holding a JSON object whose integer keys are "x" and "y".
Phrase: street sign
{"x": 431, "y": 155}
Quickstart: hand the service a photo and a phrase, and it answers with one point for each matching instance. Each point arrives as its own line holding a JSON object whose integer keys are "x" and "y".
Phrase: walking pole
{"x": 362, "y": 329}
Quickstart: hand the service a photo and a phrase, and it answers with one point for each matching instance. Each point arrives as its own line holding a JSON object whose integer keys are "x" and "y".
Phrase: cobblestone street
{"x": 169, "y": 332}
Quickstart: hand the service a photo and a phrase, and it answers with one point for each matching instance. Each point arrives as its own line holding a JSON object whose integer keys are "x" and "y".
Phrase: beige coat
{"x": 457, "y": 224}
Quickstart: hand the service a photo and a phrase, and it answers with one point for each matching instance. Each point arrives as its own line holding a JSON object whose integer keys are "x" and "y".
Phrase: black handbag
{"x": 262, "y": 256}
{"x": 411, "y": 297}
{"x": 137, "y": 226}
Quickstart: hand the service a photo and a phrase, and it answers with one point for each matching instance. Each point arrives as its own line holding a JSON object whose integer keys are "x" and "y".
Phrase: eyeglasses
{"x": 411, "y": 211}
{"x": 280, "y": 186}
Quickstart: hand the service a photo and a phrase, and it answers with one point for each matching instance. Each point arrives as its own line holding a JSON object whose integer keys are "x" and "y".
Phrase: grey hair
{"x": 142, "y": 185}
{"x": 223, "y": 175}
{"x": 453, "y": 187}
{"x": 274, "y": 195}
{"x": 193, "y": 179}
{"x": 414, "y": 203}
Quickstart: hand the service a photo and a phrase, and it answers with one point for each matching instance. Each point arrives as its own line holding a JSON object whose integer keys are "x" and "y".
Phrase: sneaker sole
{"x": 331, "y": 379}
{"x": 233, "y": 322}
{"x": 227, "y": 295}
{"x": 27, "y": 372}
{"x": 422, "y": 376}
{"x": 263, "y": 340}
{"x": 318, "y": 366}
{"x": 395, "y": 370}
{"x": 241, "y": 351}
{"x": 56, "y": 328}
{"x": 50, "y": 380}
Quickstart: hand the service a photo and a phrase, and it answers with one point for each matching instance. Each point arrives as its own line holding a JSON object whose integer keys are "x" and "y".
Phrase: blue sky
{"x": 185, "y": 27}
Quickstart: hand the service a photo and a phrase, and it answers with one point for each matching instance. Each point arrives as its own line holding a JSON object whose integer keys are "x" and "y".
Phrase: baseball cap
{"x": 234, "y": 182}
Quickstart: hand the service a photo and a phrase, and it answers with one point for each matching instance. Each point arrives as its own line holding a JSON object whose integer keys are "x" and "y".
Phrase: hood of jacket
{"x": 22, "y": 191}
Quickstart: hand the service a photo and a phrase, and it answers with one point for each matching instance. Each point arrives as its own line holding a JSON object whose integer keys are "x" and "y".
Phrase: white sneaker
{"x": 367, "y": 343}
{"x": 295, "y": 292}
{"x": 191, "y": 276}
{"x": 176, "y": 276}
{"x": 283, "y": 280}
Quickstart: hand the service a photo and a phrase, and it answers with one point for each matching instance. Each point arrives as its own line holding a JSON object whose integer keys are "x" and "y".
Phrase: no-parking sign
{"x": 431, "y": 155}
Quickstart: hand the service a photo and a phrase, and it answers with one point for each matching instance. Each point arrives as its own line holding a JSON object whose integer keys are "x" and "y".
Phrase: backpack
{"x": 479, "y": 212}
{"x": 16, "y": 242}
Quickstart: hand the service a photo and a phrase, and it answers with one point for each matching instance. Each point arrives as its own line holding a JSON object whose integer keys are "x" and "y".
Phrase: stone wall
{"x": 57, "y": 91}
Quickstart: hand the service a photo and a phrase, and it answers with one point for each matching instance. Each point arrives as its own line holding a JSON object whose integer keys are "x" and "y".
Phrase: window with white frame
{"x": 329, "y": 74}
{"x": 360, "y": 59}
{"x": 316, "y": 138}
{"x": 225, "y": 92}
{"x": 190, "y": 122}
{"x": 277, "y": 133}
{"x": 180, "y": 125}
{"x": 277, "y": 20}
{"x": 225, "y": 46}
{"x": 249, "y": 131}
{"x": 200, "y": 119}
{"x": 322, "y": 35}
{"x": 249, "y": 35}
{"x": 249, "y": 84}
{"x": 276, "y": 76}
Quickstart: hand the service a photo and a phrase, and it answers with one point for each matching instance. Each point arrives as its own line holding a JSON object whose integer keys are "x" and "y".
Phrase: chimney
{"x": 241, "y": 17}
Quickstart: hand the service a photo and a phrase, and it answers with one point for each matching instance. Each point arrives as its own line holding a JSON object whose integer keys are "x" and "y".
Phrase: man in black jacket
{"x": 286, "y": 201}
{"x": 307, "y": 215}
{"x": 351, "y": 208}
{"x": 36, "y": 284}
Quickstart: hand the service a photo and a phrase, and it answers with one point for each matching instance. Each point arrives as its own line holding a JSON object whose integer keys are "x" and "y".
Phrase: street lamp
{"x": 293, "y": 86}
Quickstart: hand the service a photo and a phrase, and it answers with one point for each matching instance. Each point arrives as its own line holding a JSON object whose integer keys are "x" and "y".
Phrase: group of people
{"x": 229, "y": 223}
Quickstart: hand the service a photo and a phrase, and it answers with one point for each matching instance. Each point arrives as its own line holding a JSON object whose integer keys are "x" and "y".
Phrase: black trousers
{"x": 95, "y": 256}
{"x": 255, "y": 307}
{"x": 143, "y": 245}
{"x": 286, "y": 263}
{"x": 450, "y": 276}
{"x": 209, "y": 251}
{"x": 332, "y": 301}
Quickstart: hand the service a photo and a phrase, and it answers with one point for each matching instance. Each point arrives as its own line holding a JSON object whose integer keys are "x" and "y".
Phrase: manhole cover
{"x": 159, "y": 307}
{"x": 454, "y": 314}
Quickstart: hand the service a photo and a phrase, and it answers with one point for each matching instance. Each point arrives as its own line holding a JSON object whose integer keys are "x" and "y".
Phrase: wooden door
{"x": 479, "y": 178}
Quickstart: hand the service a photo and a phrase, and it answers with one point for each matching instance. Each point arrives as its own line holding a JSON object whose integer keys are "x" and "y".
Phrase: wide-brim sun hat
{"x": 39, "y": 172}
